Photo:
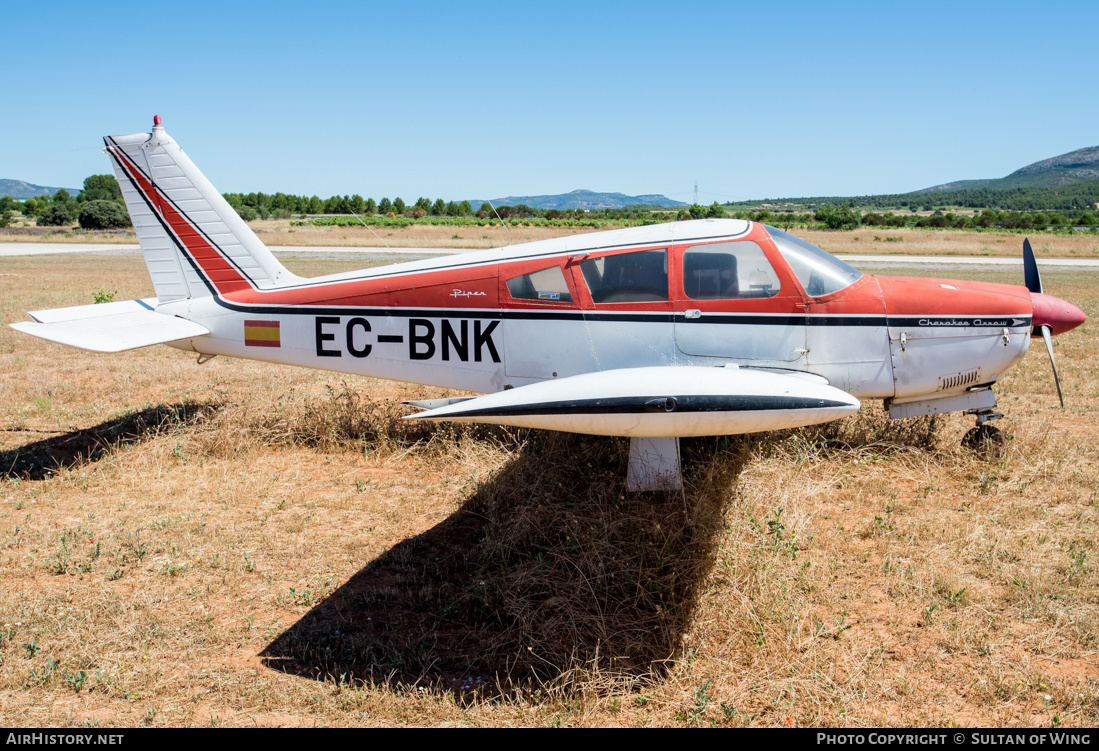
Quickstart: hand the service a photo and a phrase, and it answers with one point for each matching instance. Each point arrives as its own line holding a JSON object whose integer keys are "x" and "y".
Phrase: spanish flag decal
{"x": 261, "y": 334}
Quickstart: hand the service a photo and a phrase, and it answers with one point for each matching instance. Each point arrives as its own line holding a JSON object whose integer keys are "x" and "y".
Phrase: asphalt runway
{"x": 404, "y": 254}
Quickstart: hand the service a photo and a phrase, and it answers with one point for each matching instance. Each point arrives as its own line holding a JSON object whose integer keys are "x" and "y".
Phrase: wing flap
{"x": 110, "y": 327}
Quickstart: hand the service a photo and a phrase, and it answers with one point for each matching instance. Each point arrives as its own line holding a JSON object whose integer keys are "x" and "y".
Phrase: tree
{"x": 696, "y": 211}
{"x": 438, "y": 208}
{"x": 100, "y": 188}
{"x": 716, "y": 211}
{"x": 464, "y": 209}
{"x": 385, "y": 206}
{"x": 371, "y": 207}
{"x": 399, "y": 206}
{"x": 103, "y": 215}
{"x": 423, "y": 204}
{"x": 837, "y": 217}
{"x": 987, "y": 218}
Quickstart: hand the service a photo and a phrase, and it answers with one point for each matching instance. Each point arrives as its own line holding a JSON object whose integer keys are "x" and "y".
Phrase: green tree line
{"x": 1084, "y": 195}
{"x": 832, "y": 216}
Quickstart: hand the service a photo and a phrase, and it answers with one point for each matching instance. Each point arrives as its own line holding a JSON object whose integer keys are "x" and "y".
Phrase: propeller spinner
{"x": 1052, "y": 315}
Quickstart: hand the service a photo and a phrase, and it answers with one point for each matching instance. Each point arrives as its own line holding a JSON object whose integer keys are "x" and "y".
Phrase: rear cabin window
{"x": 544, "y": 285}
{"x": 628, "y": 277}
{"x": 728, "y": 271}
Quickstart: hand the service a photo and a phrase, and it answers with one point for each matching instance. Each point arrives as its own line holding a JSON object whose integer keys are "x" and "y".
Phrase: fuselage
{"x": 700, "y": 293}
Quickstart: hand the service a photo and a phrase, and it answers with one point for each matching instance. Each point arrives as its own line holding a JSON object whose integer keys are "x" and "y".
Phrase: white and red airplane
{"x": 694, "y": 328}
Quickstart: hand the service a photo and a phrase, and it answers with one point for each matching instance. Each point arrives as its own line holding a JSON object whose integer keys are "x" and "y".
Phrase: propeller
{"x": 1043, "y": 318}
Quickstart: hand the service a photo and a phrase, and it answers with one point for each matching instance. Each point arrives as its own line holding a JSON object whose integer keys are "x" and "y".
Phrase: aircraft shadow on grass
{"x": 42, "y": 459}
{"x": 549, "y": 571}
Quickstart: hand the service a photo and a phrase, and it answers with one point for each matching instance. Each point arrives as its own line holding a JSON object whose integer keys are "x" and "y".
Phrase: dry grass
{"x": 279, "y": 232}
{"x": 239, "y": 544}
{"x": 922, "y": 242}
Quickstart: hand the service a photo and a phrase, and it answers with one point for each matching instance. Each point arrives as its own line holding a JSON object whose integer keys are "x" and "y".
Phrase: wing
{"x": 656, "y": 402}
{"x": 110, "y": 327}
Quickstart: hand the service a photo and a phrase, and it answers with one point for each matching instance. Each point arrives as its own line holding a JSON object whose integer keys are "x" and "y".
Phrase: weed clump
{"x": 873, "y": 428}
{"x": 334, "y": 419}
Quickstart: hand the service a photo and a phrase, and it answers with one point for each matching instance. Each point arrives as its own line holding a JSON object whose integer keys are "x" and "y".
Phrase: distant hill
{"x": 1066, "y": 182}
{"x": 22, "y": 190}
{"x": 581, "y": 199}
{"x": 1074, "y": 167}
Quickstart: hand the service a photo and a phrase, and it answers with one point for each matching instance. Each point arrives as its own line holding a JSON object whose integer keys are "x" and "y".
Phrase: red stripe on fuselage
{"x": 479, "y": 287}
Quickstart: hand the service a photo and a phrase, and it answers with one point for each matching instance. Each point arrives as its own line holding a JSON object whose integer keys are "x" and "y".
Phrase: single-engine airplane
{"x": 693, "y": 328}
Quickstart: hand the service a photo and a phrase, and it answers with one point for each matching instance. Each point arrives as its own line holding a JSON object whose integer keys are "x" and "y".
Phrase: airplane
{"x": 690, "y": 328}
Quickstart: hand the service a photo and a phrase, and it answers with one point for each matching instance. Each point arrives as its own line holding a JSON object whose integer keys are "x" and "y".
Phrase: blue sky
{"x": 486, "y": 99}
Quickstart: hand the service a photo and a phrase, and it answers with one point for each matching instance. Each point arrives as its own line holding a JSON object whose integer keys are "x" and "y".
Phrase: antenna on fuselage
{"x": 383, "y": 242}
{"x": 497, "y": 213}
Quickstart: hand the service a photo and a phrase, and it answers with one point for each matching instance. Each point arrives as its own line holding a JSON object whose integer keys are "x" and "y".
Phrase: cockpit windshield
{"x": 819, "y": 273}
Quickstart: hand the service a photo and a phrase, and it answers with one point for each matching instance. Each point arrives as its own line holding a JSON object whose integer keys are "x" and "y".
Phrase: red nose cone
{"x": 1054, "y": 312}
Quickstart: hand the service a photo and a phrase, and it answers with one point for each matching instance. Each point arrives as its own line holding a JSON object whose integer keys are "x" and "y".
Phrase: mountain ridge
{"x": 1071, "y": 168}
{"x": 583, "y": 198}
{"x": 21, "y": 190}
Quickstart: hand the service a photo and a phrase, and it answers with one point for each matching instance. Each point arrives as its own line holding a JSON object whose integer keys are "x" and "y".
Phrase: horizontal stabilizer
{"x": 98, "y": 310}
{"x": 656, "y": 402}
{"x": 110, "y": 327}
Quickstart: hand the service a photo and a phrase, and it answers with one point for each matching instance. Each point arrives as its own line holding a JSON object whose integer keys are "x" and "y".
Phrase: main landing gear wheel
{"x": 983, "y": 437}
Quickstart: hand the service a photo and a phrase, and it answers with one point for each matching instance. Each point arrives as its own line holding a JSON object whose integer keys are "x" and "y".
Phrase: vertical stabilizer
{"x": 193, "y": 242}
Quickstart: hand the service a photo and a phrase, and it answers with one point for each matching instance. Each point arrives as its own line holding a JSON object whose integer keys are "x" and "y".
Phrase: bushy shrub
{"x": 57, "y": 215}
{"x": 103, "y": 215}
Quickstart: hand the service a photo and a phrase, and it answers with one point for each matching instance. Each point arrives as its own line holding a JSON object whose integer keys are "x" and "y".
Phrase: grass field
{"x": 241, "y": 544}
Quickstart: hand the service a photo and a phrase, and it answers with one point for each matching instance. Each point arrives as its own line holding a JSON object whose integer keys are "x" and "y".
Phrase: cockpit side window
{"x": 820, "y": 273}
{"x": 728, "y": 271}
{"x": 641, "y": 276}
